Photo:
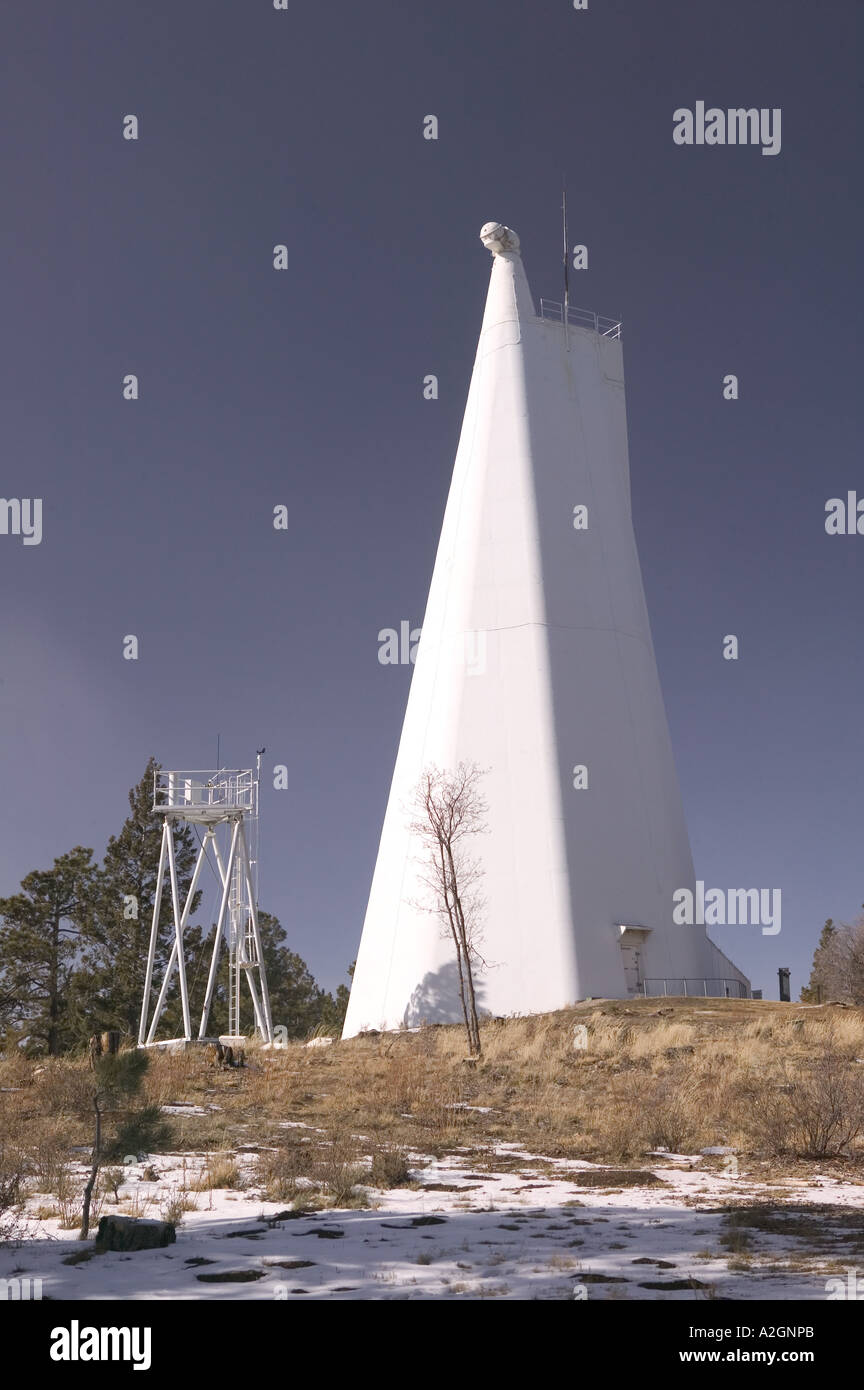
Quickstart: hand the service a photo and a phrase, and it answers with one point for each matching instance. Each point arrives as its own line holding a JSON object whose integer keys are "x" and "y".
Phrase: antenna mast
{"x": 566, "y": 265}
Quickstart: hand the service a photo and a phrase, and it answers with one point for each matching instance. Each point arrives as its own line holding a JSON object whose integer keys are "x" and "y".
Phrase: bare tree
{"x": 855, "y": 959}
{"x": 448, "y": 808}
{"x": 838, "y": 965}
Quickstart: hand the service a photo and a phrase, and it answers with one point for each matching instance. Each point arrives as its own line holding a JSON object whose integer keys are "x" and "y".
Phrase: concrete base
{"x": 234, "y": 1040}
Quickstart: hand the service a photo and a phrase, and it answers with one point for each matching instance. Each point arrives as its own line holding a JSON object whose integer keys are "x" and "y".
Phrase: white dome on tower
{"x": 498, "y": 239}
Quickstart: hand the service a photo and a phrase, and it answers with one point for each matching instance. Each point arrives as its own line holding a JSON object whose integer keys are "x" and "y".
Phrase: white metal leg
{"x": 266, "y": 1022}
{"x": 160, "y": 1002}
{"x": 220, "y": 923}
{"x": 178, "y": 934}
{"x": 154, "y": 936}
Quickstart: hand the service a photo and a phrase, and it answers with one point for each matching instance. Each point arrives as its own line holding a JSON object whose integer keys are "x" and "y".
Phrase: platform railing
{"x": 180, "y": 791}
{"x": 580, "y": 318}
{"x": 694, "y": 988}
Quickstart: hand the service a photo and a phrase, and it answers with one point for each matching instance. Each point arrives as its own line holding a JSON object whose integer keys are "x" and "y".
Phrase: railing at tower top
{"x": 580, "y": 318}
{"x": 227, "y": 789}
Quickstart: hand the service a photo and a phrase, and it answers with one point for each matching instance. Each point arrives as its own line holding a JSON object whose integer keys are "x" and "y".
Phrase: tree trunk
{"x": 454, "y": 931}
{"x": 472, "y": 1004}
{"x": 462, "y": 997}
{"x": 94, "y": 1172}
{"x": 466, "y": 975}
{"x": 54, "y": 989}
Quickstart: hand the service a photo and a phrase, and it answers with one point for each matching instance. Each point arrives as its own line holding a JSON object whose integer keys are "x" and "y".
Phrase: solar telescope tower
{"x": 536, "y": 663}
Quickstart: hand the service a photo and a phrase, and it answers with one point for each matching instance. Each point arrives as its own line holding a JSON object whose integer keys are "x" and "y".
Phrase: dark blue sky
{"x": 304, "y": 387}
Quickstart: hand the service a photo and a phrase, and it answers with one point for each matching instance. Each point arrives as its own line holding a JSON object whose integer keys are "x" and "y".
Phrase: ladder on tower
{"x": 237, "y": 930}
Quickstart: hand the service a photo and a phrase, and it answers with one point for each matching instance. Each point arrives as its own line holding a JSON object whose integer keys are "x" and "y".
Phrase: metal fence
{"x": 580, "y": 318}
{"x": 695, "y": 989}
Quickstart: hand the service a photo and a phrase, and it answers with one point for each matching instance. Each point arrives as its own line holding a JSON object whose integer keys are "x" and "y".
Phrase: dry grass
{"x": 139, "y": 1204}
{"x": 389, "y": 1167}
{"x": 280, "y": 1172}
{"x": 220, "y": 1170}
{"x": 174, "y": 1207}
{"x": 775, "y": 1082}
{"x": 336, "y": 1170}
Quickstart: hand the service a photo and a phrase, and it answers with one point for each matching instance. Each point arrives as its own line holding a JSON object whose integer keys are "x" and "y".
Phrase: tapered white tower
{"x": 536, "y": 662}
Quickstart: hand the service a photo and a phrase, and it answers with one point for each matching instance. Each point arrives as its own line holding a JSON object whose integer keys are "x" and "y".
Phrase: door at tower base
{"x": 536, "y": 664}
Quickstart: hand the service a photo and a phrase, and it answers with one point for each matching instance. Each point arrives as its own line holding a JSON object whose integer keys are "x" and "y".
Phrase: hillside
{"x": 569, "y": 1161}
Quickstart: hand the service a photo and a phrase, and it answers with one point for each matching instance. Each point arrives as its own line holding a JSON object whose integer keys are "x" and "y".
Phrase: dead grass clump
{"x": 818, "y": 1112}
{"x": 617, "y": 1177}
{"x": 16, "y": 1069}
{"x": 760, "y": 1029}
{"x": 675, "y": 1116}
{"x": 655, "y": 1042}
{"x": 176, "y": 1204}
{"x": 736, "y": 1239}
{"x": 642, "y": 1111}
{"x": 404, "y": 1081}
{"x": 611, "y": 1134}
{"x": 530, "y": 1043}
{"x": 844, "y": 1030}
{"x": 63, "y": 1088}
{"x": 49, "y": 1155}
{"x": 609, "y": 1037}
{"x": 334, "y": 1166}
{"x": 338, "y": 1170}
{"x": 389, "y": 1167}
{"x": 795, "y": 1034}
{"x": 425, "y": 1091}
{"x": 279, "y": 1171}
{"x": 172, "y": 1076}
{"x": 220, "y": 1170}
{"x": 139, "y": 1204}
{"x": 69, "y": 1193}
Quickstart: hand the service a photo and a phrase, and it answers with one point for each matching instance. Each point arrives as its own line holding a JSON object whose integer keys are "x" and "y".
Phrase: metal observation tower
{"x": 225, "y": 805}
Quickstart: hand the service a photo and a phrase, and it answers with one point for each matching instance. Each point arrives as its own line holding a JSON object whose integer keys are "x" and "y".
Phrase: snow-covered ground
{"x": 528, "y": 1232}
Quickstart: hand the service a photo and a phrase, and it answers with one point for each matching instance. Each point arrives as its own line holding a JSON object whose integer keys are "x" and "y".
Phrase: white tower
{"x": 536, "y": 660}
{"x": 225, "y": 805}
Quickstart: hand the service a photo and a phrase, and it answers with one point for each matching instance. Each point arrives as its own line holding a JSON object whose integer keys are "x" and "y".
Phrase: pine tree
{"x": 116, "y": 946}
{"x": 297, "y": 1003}
{"x": 115, "y": 1078}
{"x": 334, "y": 1011}
{"x": 823, "y": 971}
{"x": 40, "y": 938}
